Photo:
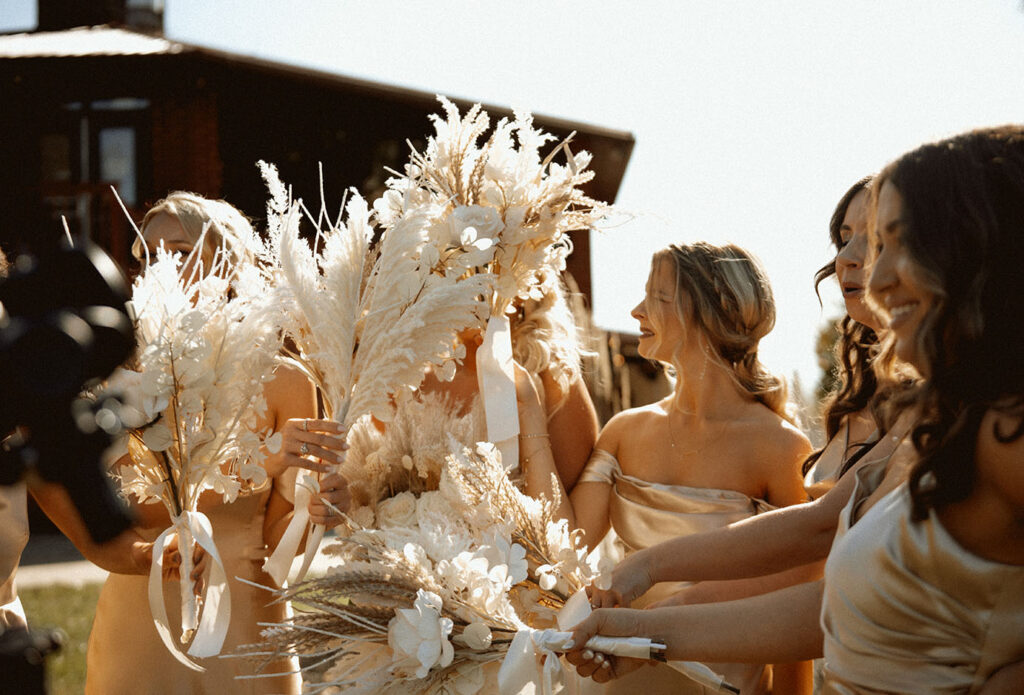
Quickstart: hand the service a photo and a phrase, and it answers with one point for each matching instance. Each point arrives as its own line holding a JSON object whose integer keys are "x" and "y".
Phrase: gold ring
{"x": 304, "y": 449}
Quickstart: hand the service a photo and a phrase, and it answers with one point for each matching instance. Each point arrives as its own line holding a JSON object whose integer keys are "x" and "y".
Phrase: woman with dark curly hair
{"x": 924, "y": 585}
{"x": 944, "y": 609}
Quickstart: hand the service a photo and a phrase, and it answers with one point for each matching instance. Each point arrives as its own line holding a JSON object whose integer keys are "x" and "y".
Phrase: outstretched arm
{"x": 773, "y": 628}
{"x": 767, "y": 543}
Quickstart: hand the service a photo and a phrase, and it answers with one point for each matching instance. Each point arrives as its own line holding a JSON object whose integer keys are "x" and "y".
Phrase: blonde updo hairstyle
{"x": 723, "y": 292}
{"x": 226, "y": 228}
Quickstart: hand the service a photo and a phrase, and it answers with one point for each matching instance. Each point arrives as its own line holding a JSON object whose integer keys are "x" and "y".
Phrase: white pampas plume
{"x": 364, "y": 321}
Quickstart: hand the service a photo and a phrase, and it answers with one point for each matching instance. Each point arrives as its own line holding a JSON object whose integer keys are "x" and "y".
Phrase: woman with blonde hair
{"x": 125, "y": 653}
{"x": 924, "y": 584}
{"x": 720, "y": 448}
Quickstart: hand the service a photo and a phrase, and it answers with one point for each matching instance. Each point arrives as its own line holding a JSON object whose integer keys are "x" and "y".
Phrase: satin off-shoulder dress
{"x": 125, "y": 654}
{"x": 906, "y": 609}
{"x": 643, "y": 514}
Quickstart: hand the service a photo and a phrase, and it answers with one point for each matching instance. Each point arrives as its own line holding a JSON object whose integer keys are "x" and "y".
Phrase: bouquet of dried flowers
{"x": 194, "y": 399}
{"x": 434, "y": 598}
{"x": 500, "y": 207}
{"x": 364, "y": 320}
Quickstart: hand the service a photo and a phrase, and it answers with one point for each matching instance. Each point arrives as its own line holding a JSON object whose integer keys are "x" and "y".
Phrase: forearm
{"x": 540, "y": 476}
{"x": 765, "y": 544}
{"x": 127, "y": 553}
{"x": 779, "y": 627}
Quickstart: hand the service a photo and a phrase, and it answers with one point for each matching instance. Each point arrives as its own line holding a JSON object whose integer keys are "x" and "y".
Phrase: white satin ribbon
{"x": 210, "y": 631}
{"x": 279, "y": 563}
{"x": 520, "y": 671}
{"x": 497, "y": 384}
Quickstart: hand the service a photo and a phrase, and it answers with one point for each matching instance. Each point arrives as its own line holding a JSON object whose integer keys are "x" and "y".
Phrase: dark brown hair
{"x": 855, "y": 347}
{"x": 963, "y": 214}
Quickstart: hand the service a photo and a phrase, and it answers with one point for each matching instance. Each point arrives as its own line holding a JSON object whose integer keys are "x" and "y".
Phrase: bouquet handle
{"x": 210, "y": 631}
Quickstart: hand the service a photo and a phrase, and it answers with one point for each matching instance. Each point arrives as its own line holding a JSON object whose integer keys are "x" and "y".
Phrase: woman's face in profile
{"x": 850, "y": 260}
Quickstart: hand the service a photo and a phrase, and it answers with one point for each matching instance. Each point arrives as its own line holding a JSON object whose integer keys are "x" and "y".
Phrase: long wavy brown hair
{"x": 854, "y": 349}
{"x": 963, "y": 214}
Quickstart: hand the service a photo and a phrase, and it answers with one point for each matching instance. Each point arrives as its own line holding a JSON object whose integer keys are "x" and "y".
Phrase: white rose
{"x": 398, "y": 511}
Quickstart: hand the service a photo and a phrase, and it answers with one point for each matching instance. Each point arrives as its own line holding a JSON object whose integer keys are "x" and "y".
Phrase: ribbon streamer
{"x": 497, "y": 385}
{"x": 279, "y": 563}
{"x": 213, "y": 627}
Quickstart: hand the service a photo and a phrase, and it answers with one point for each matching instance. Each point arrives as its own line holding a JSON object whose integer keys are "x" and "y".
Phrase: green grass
{"x": 71, "y": 609}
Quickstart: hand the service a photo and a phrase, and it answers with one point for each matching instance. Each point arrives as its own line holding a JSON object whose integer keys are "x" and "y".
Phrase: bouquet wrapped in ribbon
{"x": 364, "y": 320}
{"x": 457, "y": 590}
{"x": 500, "y": 207}
{"x": 194, "y": 399}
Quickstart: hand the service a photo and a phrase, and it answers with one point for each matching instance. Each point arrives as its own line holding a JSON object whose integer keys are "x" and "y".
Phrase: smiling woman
{"x": 718, "y": 450}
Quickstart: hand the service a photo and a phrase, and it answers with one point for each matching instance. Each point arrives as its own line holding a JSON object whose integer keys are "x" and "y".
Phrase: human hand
{"x": 533, "y": 417}
{"x": 333, "y": 495}
{"x": 316, "y": 445}
{"x": 631, "y": 579}
{"x": 602, "y": 668}
{"x": 171, "y": 562}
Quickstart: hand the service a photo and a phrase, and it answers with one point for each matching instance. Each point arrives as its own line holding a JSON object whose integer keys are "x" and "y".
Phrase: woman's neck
{"x": 707, "y": 391}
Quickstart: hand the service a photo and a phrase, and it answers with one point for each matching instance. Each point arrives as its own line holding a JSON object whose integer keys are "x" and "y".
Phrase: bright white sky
{"x": 751, "y": 119}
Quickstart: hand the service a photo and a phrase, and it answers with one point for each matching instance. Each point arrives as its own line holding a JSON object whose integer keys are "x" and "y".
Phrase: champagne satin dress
{"x": 13, "y": 537}
{"x": 644, "y": 514}
{"x": 908, "y": 610}
{"x": 125, "y": 653}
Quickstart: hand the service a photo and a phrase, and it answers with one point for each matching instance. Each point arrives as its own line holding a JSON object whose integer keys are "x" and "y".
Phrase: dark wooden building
{"x": 82, "y": 109}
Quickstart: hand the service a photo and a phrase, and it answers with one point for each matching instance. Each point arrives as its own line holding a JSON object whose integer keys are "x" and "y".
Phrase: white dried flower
{"x": 420, "y": 634}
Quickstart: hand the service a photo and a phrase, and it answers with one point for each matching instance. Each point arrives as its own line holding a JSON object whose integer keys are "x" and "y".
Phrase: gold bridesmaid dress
{"x": 643, "y": 514}
{"x": 125, "y": 653}
{"x": 908, "y": 610}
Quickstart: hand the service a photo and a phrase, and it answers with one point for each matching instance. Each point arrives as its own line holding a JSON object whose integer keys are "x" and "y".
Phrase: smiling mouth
{"x": 899, "y": 314}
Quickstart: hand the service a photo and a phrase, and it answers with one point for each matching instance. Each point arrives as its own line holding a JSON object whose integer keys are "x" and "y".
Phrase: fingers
{"x": 333, "y": 497}
{"x": 315, "y": 445}
{"x": 606, "y": 599}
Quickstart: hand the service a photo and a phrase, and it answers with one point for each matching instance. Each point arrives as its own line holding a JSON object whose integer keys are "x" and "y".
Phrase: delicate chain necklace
{"x": 672, "y": 439}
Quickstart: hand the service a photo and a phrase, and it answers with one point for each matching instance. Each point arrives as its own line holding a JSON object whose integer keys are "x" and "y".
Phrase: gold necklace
{"x": 707, "y": 441}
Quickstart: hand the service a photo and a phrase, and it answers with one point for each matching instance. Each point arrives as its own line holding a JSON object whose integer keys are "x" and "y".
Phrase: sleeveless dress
{"x": 932, "y": 618}
{"x": 125, "y": 654}
{"x": 13, "y": 537}
{"x": 643, "y": 514}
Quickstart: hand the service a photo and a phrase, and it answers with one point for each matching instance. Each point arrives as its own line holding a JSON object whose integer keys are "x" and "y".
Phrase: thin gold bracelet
{"x": 535, "y": 435}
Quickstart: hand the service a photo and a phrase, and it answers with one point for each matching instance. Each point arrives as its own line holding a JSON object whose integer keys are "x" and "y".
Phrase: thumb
{"x": 587, "y": 629}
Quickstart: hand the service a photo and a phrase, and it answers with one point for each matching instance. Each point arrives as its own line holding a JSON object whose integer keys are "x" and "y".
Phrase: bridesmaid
{"x": 545, "y": 343}
{"x": 125, "y": 654}
{"x": 924, "y": 586}
{"x": 720, "y": 448}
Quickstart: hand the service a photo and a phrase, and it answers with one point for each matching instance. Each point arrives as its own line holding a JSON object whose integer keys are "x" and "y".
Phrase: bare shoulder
{"x": 628, "y": 423}
{"x": 1001, "y": 457}
{"x": 773, "y": 433}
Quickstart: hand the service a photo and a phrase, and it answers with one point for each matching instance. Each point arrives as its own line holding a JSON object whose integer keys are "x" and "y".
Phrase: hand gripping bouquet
{"x": 457, "y": 591}
{"x": 205, "y": 349}
{"x": 500, "y": 207}
{"x": 364, "y": 320}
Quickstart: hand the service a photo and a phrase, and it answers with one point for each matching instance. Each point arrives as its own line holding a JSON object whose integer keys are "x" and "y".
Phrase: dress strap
{"x": 601, "y": 468}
